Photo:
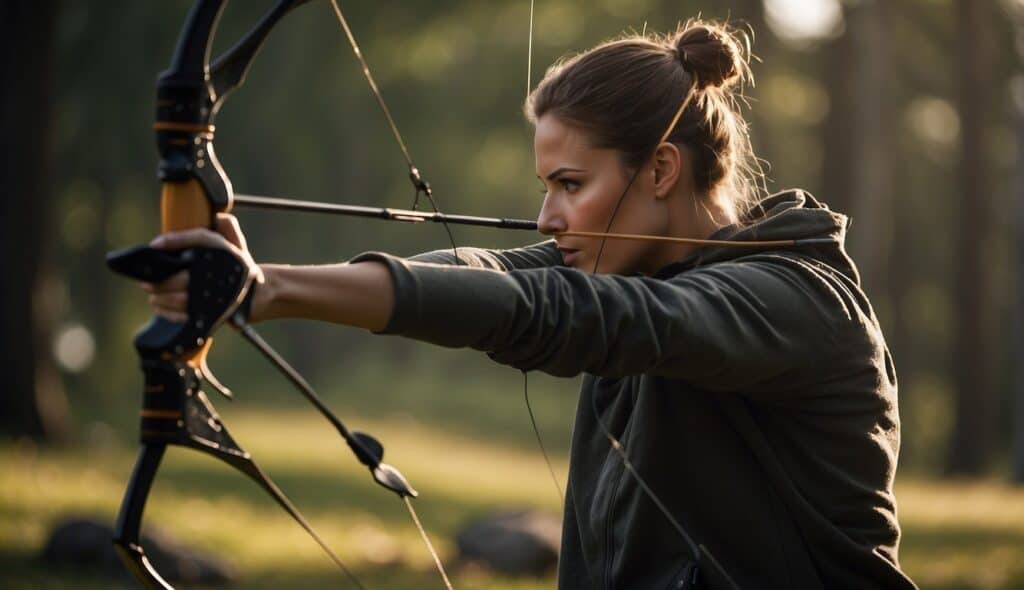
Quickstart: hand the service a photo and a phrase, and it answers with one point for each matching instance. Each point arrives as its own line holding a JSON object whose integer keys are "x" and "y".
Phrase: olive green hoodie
{"x": 751, "y": 389}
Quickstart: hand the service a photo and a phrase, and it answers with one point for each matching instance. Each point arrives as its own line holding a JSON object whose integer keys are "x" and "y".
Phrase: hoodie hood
{"x": 792, "y": 214}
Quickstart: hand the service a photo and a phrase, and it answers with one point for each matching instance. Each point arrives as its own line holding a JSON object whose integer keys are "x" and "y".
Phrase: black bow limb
{"x": 191, "y": 92}
{"x": 176, "y": 411}
{"x": 195, "y": 425}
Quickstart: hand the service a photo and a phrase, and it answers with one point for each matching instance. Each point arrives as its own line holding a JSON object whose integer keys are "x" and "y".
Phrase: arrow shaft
{"x": 675, "y": 240}
{"x": 384, "y": 213}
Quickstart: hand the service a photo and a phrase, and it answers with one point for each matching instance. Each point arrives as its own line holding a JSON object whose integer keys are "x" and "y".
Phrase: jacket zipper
{"x": 609, "y": 534}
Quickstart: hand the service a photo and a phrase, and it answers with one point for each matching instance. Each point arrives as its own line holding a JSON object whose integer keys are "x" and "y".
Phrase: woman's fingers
{"x": 198, "y": 237}
{"x": 228, "y": 226}
{"x": 171, "y": 302}
{"x": 169, "y": 298}
{"x": 176, "y": 282}
{"x": 178, "y": 317}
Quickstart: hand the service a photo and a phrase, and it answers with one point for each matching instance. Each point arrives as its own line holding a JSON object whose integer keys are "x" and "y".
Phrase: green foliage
{"x": 217, "y": 510}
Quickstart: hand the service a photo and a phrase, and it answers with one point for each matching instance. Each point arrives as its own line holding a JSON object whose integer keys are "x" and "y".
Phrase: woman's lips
{"x": 569, "y": 255}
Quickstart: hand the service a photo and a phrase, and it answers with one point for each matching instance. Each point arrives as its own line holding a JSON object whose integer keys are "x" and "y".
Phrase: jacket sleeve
{"x": 726, "y": 325}
{"x": 538, "y": 255}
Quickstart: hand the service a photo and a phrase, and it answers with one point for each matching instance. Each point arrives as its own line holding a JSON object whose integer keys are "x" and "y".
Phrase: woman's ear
{"x": 669, "y": 165}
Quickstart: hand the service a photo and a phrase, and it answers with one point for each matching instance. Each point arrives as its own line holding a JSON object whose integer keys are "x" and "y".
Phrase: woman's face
{"x": 582, "y": 185}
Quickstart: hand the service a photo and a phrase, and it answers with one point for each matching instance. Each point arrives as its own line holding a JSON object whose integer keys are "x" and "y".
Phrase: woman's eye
{"x": 567, "y": 185}
{"x": 570, "y": 186}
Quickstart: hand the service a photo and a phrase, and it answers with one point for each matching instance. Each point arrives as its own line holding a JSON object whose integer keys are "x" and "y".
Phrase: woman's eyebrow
{"x": 556, "y": 173}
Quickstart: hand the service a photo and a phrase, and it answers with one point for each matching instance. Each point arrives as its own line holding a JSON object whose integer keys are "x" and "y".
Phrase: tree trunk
{"x": 1017, "y": 308}
{"x": 872, "y": 145}
{"x": 839, "y": 128}
{"x": 976, "y": 408}
{"x": 1017, "y": 262}
{"x": 33, "y": 403}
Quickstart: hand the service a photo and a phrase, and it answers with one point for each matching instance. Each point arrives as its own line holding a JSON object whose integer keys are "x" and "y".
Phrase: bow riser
{"x": 194, "y": 188}
{"x": 189, "y": 95}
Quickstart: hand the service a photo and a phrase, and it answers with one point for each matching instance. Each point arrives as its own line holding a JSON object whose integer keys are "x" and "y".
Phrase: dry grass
{"x": 957, "y": 534}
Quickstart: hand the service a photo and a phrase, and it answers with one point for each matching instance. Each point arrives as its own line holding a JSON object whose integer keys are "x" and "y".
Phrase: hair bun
{"x": 712, "y": 54}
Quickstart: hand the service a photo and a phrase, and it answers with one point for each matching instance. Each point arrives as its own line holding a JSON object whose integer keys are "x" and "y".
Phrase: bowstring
{"x": 422, "y": 187}
{"x": 426, "y": 541}
{"x": 529, "y": 54}
{"x": 664, "y": 136}
{"x": 540, "y": 441}
{"x": 526, "y": 378}
{"x": 614, "y": 442}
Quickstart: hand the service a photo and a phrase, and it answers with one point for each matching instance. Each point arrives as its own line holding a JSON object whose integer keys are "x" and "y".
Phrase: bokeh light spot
{"x": 803, "y": 20}
{"x": 74, "y": 347}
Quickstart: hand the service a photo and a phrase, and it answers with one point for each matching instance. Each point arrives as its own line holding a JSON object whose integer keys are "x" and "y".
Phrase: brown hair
{"x": 625, "y": 93}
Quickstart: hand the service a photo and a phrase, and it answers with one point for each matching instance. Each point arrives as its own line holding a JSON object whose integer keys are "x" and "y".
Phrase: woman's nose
{"x": 551, "y": 219}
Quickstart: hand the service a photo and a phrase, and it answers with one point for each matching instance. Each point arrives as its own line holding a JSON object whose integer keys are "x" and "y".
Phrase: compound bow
{"x": 175, "y": 409}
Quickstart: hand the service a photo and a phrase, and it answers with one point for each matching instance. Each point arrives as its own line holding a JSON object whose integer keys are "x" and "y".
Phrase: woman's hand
{"x": 169, "y": 299}
{"x": 360, "y": 295}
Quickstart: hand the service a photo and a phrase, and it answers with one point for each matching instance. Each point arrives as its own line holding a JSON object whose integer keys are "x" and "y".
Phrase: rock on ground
{"x": 86, "y": 543}
{"x": 513, "y": 542}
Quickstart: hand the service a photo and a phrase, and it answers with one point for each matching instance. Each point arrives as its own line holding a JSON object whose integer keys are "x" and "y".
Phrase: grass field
{"x": 956, "y": 535}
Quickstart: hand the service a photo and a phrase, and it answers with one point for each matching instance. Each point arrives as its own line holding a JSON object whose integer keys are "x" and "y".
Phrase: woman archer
{"x": 750, "y": 386}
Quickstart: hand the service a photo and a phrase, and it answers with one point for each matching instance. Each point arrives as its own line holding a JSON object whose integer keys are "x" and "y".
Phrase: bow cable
{"x": 526, "y": 378}
{"x": 353, "y": 439}
{"x": 426, "y": 540}
{"x": 421, "y": 186}
{"x": 540, "y": 441}
{"x": 529, "y": 54}
{"x": 616, "y": 445}
{"x": 668, "y": 131}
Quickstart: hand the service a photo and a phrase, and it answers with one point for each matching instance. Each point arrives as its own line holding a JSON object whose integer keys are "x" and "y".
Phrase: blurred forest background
{"x": 908, "y": 115}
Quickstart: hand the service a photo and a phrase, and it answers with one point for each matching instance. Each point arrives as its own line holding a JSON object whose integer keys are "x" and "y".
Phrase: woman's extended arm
{"x": 726, "y": 325}
{"x": 360, "y": 295}
{"x": 363, "y": 294}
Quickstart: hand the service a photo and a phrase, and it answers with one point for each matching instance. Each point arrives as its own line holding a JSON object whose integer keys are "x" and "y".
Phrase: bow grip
{"x": 148, "y": 264}
{"x": 186, "y": 204}
{"x": 218, "y": 284}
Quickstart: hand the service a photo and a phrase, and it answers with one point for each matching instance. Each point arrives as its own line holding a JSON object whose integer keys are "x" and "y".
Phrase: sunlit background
{"x": 904, "y": 114}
